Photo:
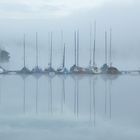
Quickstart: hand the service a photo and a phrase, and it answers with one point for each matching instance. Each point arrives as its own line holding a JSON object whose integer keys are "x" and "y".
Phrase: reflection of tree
{"x": 4, "y": 56}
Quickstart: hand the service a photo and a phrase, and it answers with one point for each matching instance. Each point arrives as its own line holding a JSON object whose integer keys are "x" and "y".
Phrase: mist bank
{"x": 123, "y": 19}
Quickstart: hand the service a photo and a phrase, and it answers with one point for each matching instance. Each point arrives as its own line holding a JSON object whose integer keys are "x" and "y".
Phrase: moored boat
{"x": 24, "y": 70}
{"x": 76, "y": 69}
{"x": 50, "y": 70}
{"x": 36, "y": 69}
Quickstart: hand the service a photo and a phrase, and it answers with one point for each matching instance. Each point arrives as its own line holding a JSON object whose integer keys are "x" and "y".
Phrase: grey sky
{"x": 18, "y": 17}
{"x": 53, "y": 8}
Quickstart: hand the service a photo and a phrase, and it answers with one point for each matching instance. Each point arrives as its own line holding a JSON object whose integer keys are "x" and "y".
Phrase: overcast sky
{"x": 53, "y": 8}
{"x": 18, "y": 17}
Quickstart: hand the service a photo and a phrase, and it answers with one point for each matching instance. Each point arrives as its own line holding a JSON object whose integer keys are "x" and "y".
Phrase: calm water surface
{"x": 70, "y": 107}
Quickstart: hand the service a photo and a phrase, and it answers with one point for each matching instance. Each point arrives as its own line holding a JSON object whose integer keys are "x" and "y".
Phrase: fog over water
{"x": 71, "y": 107}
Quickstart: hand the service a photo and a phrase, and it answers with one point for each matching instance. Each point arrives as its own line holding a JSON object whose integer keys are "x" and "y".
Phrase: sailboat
{"x": 93, "y": 69}
{"x": 112, "y": 69}
{"x": 63, "y": 69}
{"x": 76, "y": 69}
{"x": 105, "y": 66}
{"x": 89, "y": 68}
{"x": 36, "y": 69}
{"x": 24, "y": 70}
{"x": 50, "y": 70}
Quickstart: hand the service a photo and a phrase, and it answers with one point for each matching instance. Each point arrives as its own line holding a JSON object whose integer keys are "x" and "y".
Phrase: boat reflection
{"x": 82, "y": 103}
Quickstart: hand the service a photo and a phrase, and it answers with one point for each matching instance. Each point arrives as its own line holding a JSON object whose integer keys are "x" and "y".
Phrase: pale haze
{"x": 72, "y": 106}
{"x": 42, "y": 16}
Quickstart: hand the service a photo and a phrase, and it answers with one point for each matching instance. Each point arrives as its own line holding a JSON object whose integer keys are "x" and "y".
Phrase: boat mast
{"x": 61, "y": 38}
{"x": 105, "y": 47}
{"x": 90, "y": 44}
{"x": 75, "y": 48}
{"x": 64, "y": 55}
{"x": 94, "y": 44}
{"x": 78, "y": 48}
{"x": 62, "y": 43}
{"x": 51, "y": 52}
{"x": 110, "y": 47}
{"x": 24, "y": 44}
{"x": 36, "y": 49}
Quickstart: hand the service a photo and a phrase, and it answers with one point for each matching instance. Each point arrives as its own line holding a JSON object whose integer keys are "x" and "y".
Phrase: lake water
{"x": 70, "y": 107}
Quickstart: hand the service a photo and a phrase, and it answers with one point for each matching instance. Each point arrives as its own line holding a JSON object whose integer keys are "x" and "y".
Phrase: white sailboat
{"x": 89, "y": 68}
{"x": 50, "y": 70}
{"x": 36, "y": 69}
{"x": 76, "y": 69}
{"x": 24, "y": 70}
{"x": 105, "y": 66}
{"x": 63, "y": 69}
{"x": 111, "y": 69}
{"x": 93, "y": 67}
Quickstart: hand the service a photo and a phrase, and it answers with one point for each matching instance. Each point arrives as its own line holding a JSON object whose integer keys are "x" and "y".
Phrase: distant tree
{"x": 4, "y": 56}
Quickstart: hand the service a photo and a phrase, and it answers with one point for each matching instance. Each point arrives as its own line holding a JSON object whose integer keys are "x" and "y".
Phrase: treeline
{"x": 4, "y": 56}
